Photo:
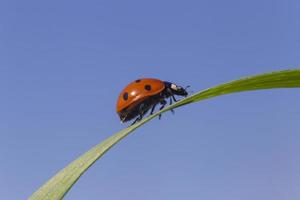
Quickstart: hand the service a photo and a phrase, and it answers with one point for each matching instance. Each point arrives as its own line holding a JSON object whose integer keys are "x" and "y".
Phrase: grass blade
{"x": 57, "y": 187}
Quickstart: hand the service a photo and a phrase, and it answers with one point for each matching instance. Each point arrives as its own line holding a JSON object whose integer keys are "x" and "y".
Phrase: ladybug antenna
{"x": 190, "y": 91}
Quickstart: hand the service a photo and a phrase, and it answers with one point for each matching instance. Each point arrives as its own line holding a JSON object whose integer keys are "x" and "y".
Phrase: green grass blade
{"x": 57, "y": 187}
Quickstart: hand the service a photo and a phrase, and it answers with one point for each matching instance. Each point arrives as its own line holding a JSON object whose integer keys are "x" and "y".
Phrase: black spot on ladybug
{"x": 148, "y": 87}
{"x": 137, "y": 81}
{"x": 125, "y": 96}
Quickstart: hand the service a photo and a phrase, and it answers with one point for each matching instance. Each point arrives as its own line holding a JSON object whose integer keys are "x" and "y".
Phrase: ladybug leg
{"x": 171, "y": 94}
{"x": 139, "y": 118}
{"x": 171, "y": 101}
{"x": 136, "y": 119}
{"x": 163, "y": 104}
{"x": 173, "y": 97}
{"x": 152, "y": 109}
{"x": 141, "y": 114}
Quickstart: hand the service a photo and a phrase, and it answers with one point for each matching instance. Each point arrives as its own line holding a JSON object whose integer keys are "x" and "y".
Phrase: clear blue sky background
{"x": 63, "y": 64}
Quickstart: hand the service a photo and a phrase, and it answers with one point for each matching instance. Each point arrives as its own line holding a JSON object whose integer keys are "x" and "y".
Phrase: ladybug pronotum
{"x": 141, "y": 95}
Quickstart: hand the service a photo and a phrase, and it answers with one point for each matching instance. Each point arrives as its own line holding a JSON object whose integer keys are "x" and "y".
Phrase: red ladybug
{"x": 144, "y": 94}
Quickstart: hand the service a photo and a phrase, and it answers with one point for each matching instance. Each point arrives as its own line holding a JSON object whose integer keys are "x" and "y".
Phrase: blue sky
{"x": 63, "y": 64}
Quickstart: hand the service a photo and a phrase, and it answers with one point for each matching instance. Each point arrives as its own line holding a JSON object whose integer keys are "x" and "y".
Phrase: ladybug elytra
{"x": 137, "y": 98}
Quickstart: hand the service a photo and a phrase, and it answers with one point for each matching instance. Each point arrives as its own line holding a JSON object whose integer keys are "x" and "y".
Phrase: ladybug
{"x": 141, "y": 95}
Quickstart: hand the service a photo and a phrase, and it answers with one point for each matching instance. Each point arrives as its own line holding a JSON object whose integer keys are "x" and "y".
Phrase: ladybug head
{"x": 177, "y": 90}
